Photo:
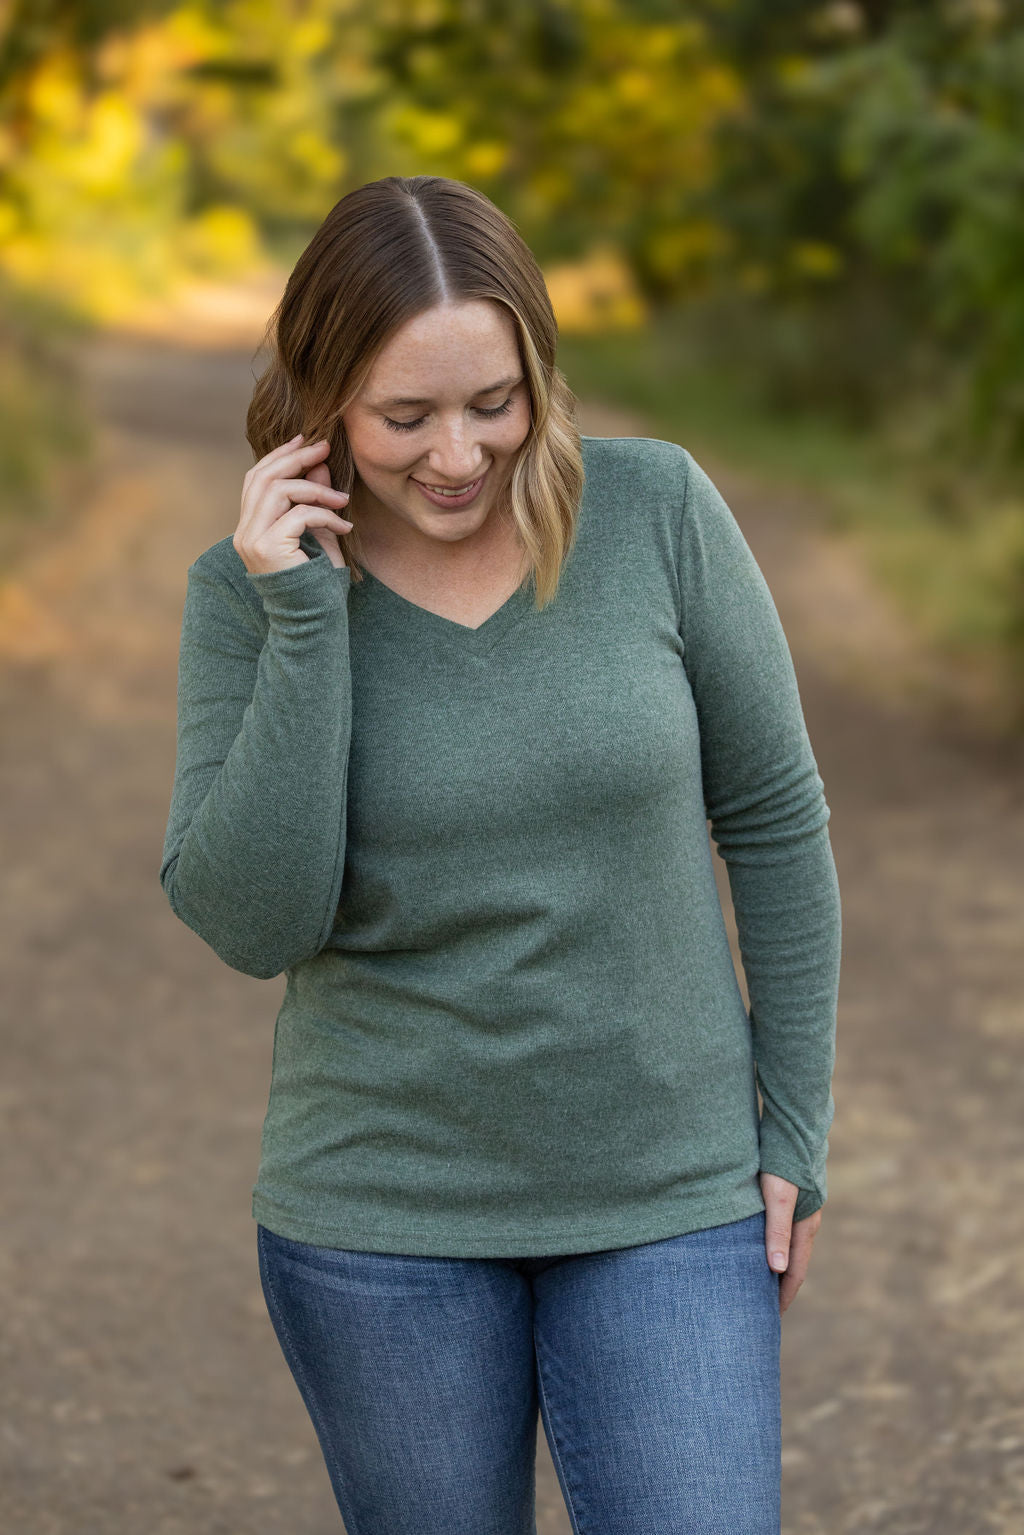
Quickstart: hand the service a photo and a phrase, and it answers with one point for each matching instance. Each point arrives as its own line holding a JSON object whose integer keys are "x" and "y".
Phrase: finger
{"x": 276, "y": 453}
{"x": 285, "y": 447}
{"x": 789, "y": 1284}
{"x": 314, "y": 489}
{"x": 778, "y": 1229}
{"x": 801, "y": 1243}
{"x": 294, "y": 455}
{"x": 303, "y": 452}
{"x": 289, "y": 527}
{"x": 265, "y": 503}
{"x": 303, "y": 515}
{"x": 799, "y": 1258}
{"x": 320, "y": 474}
{"x": 800, "y": 1248}
{"x": 329, "y": 544}
{"x": 796, "y": 1273}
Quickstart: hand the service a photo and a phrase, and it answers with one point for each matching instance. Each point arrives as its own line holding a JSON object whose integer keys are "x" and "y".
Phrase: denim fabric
{"x": 655, "y": 1369}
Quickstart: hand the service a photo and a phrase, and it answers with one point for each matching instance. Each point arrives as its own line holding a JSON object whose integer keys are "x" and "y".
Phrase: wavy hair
{"x": 387, "y": 251}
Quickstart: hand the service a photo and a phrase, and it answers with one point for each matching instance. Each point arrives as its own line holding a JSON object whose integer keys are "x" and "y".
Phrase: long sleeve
{"x": 255, "y": 845}
{"x": 769, "y": 820}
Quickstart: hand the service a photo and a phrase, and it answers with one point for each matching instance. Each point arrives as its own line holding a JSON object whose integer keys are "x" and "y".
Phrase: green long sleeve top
{"x": 511, "y": 1023}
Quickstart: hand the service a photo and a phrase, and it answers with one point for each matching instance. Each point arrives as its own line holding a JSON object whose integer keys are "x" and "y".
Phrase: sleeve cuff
{"x": 778, "y": 1157}
{"x": 808, "y": 1199}
{"x": 310, "y": 590}
{"x": 807, "y": 1202}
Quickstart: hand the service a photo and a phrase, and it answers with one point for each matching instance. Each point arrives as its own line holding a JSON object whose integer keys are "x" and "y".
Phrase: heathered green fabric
{"x": 511, "y": 1023}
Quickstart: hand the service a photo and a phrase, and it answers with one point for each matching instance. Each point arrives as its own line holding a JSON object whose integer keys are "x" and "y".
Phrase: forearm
{"x": 255, "y": 845}
{"x": 788, "y": 921}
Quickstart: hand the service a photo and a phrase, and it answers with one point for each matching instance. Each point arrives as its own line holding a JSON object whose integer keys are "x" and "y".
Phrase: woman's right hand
{"x": 286, "y": 492}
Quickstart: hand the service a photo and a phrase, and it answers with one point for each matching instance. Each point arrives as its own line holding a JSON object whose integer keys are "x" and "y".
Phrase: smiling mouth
{"x": 454, "y": 496}
{"x": 450, "y": 490}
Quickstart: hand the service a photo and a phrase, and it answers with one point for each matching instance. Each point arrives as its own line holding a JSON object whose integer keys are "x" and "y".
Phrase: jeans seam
{"x": 295, "y": 1360}
{"x": 556, "y": 1454}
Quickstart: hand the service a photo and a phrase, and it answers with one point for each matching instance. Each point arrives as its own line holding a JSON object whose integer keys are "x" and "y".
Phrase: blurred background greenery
{"x": 790, "y": 234}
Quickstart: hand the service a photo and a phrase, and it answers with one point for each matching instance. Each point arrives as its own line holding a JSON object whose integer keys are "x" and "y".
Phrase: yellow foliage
{"x": 55, "y": 95}
{"x": 813, "y": 258}
{"x": 689, "y": 245}
{"x": 143, "y": 63}
{"x": 551, "y": 186}
{"x": 427, "y": 133}
{"x": 722, "y": 88}
{"x": 486, "y": 159}
{"x": 595, "y": 294}
{"x": 188, "y": 36}
{"x": 311, "y": 35}
{"x": 323, "y": 160}
{"x": 633, "y": 86}
{"x": 112, "y": 140}
{"x": 91, "y": 277}
{"x": 659, "y": 45}
{"x": 412, "y": 14}
{"x": 220, "y": 240}
{"x": 426, "y": 62}
{"x": 19, "y": 255}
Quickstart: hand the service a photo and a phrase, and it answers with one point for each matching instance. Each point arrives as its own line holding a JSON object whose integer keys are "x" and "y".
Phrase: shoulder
{"x": 664, "y": 480}
{"x": 647, "y": 481}
{"x": 630, "y": 463}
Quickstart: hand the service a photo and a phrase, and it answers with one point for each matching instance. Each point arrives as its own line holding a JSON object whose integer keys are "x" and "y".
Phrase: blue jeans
{"x": 655, "y": 1369}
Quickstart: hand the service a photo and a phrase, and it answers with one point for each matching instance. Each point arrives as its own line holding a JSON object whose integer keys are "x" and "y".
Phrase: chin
{"x": 449, "y": 527}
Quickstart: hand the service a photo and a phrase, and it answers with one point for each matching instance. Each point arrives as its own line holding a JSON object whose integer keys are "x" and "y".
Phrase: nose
{"x": 455, "y": 456}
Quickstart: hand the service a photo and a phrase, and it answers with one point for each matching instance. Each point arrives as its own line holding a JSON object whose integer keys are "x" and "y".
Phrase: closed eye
{"x": 488, "y": 415}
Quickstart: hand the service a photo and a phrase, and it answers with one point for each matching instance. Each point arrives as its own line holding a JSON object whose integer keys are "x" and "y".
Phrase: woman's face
{"x": 446, "y": 405}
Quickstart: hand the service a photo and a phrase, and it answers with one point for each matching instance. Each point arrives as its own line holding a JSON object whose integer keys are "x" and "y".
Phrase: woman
{"x": 448, "y": 746}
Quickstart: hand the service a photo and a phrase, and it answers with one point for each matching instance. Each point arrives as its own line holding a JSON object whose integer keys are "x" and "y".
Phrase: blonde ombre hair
{"x": 387, "y": 251}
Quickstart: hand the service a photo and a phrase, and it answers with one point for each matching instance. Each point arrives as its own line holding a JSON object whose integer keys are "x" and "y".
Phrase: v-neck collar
{"x": 434, "y": 625}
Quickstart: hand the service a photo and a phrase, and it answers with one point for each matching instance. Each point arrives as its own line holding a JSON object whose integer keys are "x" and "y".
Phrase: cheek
{"x": 513, "y": 432}
{"x": 394, "y": 453}
{"x": 380, "y": 453}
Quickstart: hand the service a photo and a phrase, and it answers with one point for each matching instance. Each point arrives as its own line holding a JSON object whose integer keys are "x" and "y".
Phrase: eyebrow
{"x": 503, "y": 383}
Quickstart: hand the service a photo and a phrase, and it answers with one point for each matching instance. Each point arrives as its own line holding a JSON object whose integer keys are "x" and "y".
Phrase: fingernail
{"x": 779, "y": 1260}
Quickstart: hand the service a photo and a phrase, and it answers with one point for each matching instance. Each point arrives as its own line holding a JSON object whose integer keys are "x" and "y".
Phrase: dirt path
{"x": 143, "y": 1390}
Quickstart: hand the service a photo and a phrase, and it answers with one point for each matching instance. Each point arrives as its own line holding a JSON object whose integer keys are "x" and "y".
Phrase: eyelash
{"x": 410, "y": 426}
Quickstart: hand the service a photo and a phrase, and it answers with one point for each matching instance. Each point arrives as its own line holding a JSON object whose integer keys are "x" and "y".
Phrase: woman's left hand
{"x": 791, "y": 1240}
